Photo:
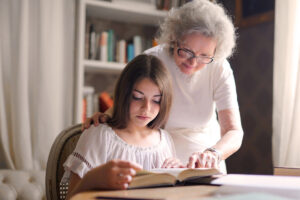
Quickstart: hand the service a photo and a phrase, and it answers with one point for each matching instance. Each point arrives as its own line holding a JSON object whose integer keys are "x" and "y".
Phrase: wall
{"x": 253, "y": 69}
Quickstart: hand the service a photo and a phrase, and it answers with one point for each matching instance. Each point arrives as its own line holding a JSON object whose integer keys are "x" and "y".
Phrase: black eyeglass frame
{"x": 192, "y": 55}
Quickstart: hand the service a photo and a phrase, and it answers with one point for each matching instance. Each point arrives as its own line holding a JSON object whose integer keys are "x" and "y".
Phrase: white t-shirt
{"x": 193, "y": 123}
{"x": 98, "y": 145}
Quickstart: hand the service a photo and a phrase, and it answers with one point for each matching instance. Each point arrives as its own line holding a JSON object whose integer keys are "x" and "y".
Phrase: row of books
{"x": 105, "y": 46}
{"x": 94, "y": 102}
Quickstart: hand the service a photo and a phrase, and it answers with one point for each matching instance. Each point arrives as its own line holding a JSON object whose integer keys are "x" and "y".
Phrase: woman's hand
{"x": 97, "y": 118}
{"x": 206, "y": 159}
{"x": 172, "y": 163}
{"x": 115, "y": 174}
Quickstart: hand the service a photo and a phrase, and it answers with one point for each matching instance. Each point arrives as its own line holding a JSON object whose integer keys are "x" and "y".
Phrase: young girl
{"x": 107, "y": 156}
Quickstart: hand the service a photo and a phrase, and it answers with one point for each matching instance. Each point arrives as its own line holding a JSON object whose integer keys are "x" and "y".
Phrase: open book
{"x": 170, "y": 176}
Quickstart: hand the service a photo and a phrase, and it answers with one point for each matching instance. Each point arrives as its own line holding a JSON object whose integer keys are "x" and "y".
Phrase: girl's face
{"x": 193, "y": 52}
{"x": 145, "y": 102}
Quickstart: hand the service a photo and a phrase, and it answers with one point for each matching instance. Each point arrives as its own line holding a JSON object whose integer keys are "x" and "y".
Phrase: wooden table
{"x": 168, "y": 193}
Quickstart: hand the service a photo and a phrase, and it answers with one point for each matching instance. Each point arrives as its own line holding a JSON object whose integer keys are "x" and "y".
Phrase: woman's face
{"x": 195, "y": 51}
{"x": 145, "y": 102}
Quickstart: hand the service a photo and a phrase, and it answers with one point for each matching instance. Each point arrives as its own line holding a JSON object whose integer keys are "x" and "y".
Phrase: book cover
{"x": 171, "y": 176}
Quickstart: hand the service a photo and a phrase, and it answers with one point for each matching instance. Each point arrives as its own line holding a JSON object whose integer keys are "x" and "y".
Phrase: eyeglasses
{"x": 188, "y": 54}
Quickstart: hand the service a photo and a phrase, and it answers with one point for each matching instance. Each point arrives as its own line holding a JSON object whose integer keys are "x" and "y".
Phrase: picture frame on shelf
{"x": 253, "y": 12}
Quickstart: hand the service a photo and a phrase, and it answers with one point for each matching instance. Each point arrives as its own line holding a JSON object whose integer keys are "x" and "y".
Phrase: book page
{"x": 183, "y": 173}
{"x": 173, "y": 171}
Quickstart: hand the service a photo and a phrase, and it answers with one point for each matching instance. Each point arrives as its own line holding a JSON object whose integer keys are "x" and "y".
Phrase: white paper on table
{"x": 287, "y": 186}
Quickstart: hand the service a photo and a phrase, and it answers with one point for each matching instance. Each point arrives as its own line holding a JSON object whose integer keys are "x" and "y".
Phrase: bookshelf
{"x": 109, "y": 12}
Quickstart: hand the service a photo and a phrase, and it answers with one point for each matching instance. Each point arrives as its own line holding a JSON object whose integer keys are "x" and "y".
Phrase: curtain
{"x": 286, "y": 99}
{"x": 36, "y": 78}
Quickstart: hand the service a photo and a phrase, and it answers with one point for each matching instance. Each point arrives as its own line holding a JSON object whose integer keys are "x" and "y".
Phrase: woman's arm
{"x": 231, "y": 140}
{"x": 231, "y": 132}
{"x": 115, "y": 174}
{"x": 97, "y": 118}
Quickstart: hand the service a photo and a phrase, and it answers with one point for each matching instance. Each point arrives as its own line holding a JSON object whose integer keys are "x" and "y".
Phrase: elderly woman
{"x": 204, "y": 121}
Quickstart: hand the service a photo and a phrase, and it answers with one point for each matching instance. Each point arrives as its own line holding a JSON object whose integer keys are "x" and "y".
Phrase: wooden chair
{"x": 62, "y": 147}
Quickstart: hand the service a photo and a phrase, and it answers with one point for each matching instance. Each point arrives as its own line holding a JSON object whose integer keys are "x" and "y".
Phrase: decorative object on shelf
{"x": 105, "y": 101}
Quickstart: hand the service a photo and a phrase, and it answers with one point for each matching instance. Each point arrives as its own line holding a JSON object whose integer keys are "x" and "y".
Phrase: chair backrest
{"x": 62, "y": 147}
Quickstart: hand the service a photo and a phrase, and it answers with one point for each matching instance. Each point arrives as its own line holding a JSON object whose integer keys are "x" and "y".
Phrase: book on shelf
{"x": 137, "y": 43}
{"x": 88, "y": 93}
{"x": 121, "y": 51}
{"x": 130, "y": 52}
{"x": 172, "y": 176}
{"x": 107, "y": 46}
{"x": 92, "y": 42}
{"x": 83, "y": 114}
{"x": 111, "y": 46}
{"x": 103, "y": 46}
{"x": 87, "y": 40}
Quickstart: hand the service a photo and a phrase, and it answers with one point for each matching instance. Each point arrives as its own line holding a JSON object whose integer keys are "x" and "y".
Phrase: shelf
{"x": 122, "y": 12}
{"x": 95, "y": 66}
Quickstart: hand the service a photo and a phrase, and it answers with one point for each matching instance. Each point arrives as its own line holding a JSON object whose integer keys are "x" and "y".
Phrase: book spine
{"x": 87, "y": 41}
{"x": 92, "y": 40}
{"x": 110, "y": 45}
{"x": 103, "y": 46}
{"x": 97, "y": 46}
{"x": 137, "y": 43}
{"x": 83, "y": 115}
{"x": 122, "y": 51}
{"x": 130, "y": 52}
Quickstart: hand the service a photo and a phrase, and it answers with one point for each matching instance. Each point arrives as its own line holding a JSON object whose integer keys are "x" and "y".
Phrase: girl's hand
{"x": 206, "y": 159}
{"x": 97, "y": 118}
{"x": 115, "y": 174}
{"x": 172, "y": 163}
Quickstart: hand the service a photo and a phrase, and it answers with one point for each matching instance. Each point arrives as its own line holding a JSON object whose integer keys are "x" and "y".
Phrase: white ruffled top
{"x": 98, "y": 145}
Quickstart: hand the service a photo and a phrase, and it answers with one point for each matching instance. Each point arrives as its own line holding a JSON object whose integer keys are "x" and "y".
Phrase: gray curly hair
{"x": 200, "y": 16}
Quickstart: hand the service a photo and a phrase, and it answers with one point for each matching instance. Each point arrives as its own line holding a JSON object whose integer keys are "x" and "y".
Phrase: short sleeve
{"x": 90, "y": 152}
{"x": 224, "y": 87}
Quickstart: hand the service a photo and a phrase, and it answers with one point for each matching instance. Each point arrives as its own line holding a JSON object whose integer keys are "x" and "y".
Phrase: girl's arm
{"x": 115, "y": 174}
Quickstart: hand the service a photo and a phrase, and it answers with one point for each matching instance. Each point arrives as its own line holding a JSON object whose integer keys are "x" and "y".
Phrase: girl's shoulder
{"x": 100, "y": 131}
